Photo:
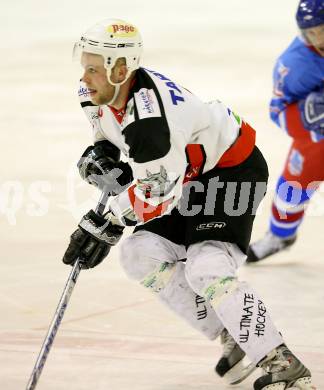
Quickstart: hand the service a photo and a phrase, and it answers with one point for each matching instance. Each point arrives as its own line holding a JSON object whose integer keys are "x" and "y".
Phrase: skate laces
{"x": 275, "y": 364}
{"x": 228, "y": 343}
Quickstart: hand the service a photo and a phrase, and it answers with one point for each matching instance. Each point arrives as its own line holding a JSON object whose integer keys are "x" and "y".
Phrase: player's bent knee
{"x": 135, "y": 259}
{"x": 147, "y": 258}
{"x": 157, "y": 280}
{"x": 220, "y": 289}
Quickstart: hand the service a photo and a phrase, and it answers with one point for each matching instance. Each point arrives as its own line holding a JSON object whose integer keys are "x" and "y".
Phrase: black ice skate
{"x": 231, "y": 365}
{"x": 283, "y": 371}
{"x": 267, "y": 246}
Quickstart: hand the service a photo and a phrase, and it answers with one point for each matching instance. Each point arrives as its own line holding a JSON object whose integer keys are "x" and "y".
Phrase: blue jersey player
{"x": 297, "y": 107}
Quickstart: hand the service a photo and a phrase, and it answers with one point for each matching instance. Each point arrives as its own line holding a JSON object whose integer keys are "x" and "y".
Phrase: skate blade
{"x": 301, "y": 384}
{"x": 239, "y": 372}
{"x": 276, "y": 386}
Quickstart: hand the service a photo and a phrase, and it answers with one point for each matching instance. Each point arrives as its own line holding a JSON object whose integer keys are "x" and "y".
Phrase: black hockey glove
{"x": 99, "y": 165}
{"x": 92, "y": 241}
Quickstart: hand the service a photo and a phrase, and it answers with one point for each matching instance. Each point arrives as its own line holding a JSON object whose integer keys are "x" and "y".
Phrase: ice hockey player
{"x": 182, "y": 154}
{"x": 297, "y": 107}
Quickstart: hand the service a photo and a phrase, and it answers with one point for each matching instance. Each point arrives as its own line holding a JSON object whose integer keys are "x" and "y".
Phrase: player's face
{"x": 315, "y": 37}
{"x": 95, "y": 78}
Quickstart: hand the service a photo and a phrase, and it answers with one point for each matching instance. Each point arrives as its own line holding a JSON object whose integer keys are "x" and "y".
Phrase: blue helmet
{"x": 310, "y": 13}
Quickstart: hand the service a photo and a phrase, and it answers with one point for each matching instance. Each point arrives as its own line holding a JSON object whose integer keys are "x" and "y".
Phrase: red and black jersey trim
{"x": 233, "y": 156}
{"x": 143, "y": 210}
{"x": 196, "y": 158}
{"x": 241, "y": 149}
{"x": 148, "y": 138}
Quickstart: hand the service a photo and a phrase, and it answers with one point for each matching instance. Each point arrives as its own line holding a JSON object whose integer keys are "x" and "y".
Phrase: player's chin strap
{"x": 117, "y": 89}
{"x": 116, "y": 85}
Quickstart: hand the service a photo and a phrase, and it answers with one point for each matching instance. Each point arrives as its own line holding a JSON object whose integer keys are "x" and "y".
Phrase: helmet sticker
{"x": 122, "y": 30}
{"x": 112, "y": 39}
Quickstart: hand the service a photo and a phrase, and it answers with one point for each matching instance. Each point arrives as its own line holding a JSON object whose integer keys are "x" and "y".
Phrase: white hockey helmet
{"x": 112, "y": 39}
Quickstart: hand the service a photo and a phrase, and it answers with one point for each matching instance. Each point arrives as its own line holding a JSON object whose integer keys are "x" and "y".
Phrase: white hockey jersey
{"x": 169, "y": 137}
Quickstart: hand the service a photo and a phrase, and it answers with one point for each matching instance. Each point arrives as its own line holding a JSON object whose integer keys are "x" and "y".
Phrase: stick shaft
{"x": 58, "y": 316}
{"x": 60, "y": 310}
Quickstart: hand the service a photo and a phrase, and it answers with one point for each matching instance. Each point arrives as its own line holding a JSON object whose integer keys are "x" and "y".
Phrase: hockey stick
{"x": 60, "y": 310}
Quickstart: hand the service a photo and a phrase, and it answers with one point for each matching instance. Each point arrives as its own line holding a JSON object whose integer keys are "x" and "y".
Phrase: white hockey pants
{"x": 204, "y": 290}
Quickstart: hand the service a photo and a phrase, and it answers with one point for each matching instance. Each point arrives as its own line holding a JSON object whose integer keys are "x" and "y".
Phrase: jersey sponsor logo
{"x": 147, "y": 104}
{"x": 94, "y": 115}
{"x": 174, "y": 90}
{"x": 196, "y": 158}
{"x": 236, "y": 117}
{"x": 156, "y": 184}
{"x": 122, "y": 30}
{"x": 194, "y": 171}
{"x": 296, "y": 162}
{"x": 211, "y": 225}
{"x": 83, "y": 91}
